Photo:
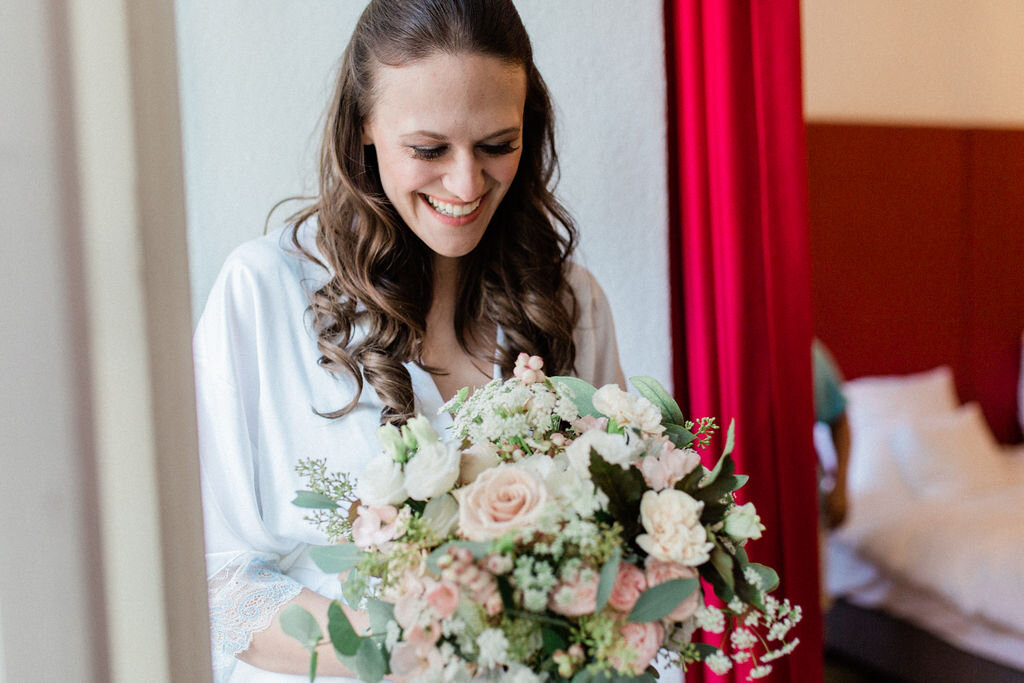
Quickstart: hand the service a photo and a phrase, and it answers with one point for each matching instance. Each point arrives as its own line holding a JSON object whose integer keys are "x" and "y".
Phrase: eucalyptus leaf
{"x": 769, "y": 577}
{"x": 624, "y": 489}
{"x": 314, "y": 658}
{"x": 582, "y": 394}
{"x": 609, "y": 571}
{"x": 711, "y": 575}
{"x": 553, "y": 640}
{"x": 301, "y": 625}
{"x": 653, "y": 391}
{"x": 368, "y": 663}
{"x": 658, "y": 601}
{"x": 353, "y": 588}
{"x": 344, "y": 638}
{"x": 335, "y": 559}
{"x": 730, "y": 438}
{"x": 380, "y": 614}
{"x": 704, "y": 651}
{"x": 312, "y": 499}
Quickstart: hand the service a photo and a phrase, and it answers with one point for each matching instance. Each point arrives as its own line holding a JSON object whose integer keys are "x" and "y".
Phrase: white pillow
{"x": 948, "y": 455}
{"x": 899, "y": 396}
{"x": 877, "y": 405}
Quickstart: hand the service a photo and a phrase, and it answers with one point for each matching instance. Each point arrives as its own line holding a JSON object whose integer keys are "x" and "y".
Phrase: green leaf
{"x": 679, "y": 436}
{"x": 624, "y": 488}
{"x": 608, "y": 573}
{"x": 730, "y": 438}
{"x": 380, "y": 614}
{"x": 353, "y": 588}
{"x": 704, "y": 651}
{"x": 313, "y": 659}
{"x": 344, "y": 638}
{"x": 335, "y": 559}
{"x": 312, "y": 499}
{"x": 552, "y": 640}
{"x": 652, "y": 390}
{"x": 656, "y": 602}
{"x": 478, "y": 548}
{"x": 711, "y": 575}
{"x": 301, "y": 625}
{"x": 723, "y": 564}
{"x": 769, "y": 577}
{"x": 724, "y": 467}
{"x": 582, "y": 394}
{"x": 368, "y": 663}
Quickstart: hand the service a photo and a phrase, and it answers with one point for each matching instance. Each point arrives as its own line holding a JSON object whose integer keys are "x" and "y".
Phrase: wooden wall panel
{"x": 916, "y": 241}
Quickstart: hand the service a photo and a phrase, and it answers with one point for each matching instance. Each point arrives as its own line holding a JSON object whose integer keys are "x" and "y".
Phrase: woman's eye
{"x": 428, "y": 153}
{"x": 499, "y": 149}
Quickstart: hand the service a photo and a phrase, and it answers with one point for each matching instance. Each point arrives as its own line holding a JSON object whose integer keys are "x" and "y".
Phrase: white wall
{"x": 919, "y": 61}
{"x": 255, "y": 78}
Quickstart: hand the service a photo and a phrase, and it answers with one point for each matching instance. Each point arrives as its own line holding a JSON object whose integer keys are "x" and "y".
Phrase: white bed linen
{"x": 866, "y": 585}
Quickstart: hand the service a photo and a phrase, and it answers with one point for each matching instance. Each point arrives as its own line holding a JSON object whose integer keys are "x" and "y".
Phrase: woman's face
{"x": 448, "y": 135}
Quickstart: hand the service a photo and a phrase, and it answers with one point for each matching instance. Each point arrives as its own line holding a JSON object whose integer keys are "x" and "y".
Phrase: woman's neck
{"x": 446, "y": 288}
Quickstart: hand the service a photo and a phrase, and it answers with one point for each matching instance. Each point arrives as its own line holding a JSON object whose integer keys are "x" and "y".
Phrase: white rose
{"x": 382, "y": 482}
{"x": 618, "y": 449}
{"x": 441, "y": 515}
{"x": 476, "y": 459}
{"x": 433, "y": 470}
{"x": 671, "y": 519}
{"x": 743, "y": 522}
{"x": 628, "y": 410}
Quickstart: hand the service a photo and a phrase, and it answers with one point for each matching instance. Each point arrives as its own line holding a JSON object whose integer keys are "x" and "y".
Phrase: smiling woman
{"x": 434, "y": 253}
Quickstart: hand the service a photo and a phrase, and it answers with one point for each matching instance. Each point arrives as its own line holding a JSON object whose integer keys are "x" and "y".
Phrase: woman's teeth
{"x": 453, "y": 210}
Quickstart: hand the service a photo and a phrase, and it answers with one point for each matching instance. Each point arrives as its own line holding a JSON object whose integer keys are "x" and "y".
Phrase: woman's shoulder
{"x": 279, "y": 253}
{"x": 590, "y": 298}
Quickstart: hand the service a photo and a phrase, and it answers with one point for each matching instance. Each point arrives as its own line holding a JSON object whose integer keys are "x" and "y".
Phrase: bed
{"x": 928, "y": 569}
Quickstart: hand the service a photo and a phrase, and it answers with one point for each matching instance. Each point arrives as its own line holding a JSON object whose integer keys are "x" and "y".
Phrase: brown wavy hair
{"x": 381, "y": 272}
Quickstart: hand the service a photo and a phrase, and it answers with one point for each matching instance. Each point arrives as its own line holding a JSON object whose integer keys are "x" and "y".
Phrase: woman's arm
{"x": 273, "y": 650}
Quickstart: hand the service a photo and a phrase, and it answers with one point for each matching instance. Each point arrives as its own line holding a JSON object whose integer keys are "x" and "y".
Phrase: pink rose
{"x": 444, "y": 598}
{"x": 630, "y": 582}
{"x": 375, "y": 526}
{"x": 668, "y": 466}
{"x": 660, "y": 572}
{"x": 576, "y": 594}
{"x": 408, "y": 608}
{"x": 502, "y": 499}
{"x": 644, "y": 640}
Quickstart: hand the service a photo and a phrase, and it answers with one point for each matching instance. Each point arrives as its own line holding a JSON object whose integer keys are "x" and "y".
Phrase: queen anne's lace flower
{"x": 493, "y": 646}
{"x": 718, "y": 663}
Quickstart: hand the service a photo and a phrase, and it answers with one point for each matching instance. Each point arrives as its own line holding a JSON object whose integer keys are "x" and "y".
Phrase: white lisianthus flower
{"x": 382, "y": 482}
{"x": 422, "y": 430}
{"x": 629, "y": 410}
{"x": 743, "y": 522}
{"x": 433, "y": 470}
{"x": 618, "y": 449}
{"x": 441, "y": 515}
{"x": 391, "y": 439}
{"x": 671, "y": 519}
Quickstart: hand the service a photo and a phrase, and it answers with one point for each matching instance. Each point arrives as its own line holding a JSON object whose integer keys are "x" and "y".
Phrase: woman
{"x": 433, "y": 255}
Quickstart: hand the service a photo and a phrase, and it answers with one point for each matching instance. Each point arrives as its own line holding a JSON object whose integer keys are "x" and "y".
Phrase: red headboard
{"x": 917, "y": 247}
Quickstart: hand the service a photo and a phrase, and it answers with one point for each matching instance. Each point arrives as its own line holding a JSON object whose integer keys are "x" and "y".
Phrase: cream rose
{"x": 476, "y": 459}
{"x": 618, "y": 449}
{"x": 433, "y": 470}
{"x": 671, "y": 519}
{"x": 382, "y": 482}
{"x": 502, "y": 499}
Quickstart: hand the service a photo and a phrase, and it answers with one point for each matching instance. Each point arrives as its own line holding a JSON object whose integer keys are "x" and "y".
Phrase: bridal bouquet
{"x": 559, "y": 533}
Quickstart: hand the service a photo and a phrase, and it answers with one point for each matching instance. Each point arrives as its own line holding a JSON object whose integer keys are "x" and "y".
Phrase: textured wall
{"x": 255, "y": 77}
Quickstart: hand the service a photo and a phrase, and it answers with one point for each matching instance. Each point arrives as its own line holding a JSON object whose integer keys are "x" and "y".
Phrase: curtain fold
{"x": 740, "y": 270}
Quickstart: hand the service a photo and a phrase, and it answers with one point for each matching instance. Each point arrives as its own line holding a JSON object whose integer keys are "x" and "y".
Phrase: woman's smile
{"x": 453, "y": 212}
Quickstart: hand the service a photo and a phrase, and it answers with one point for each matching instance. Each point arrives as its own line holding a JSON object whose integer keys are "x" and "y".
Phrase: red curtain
{"x": 741, "y": 274}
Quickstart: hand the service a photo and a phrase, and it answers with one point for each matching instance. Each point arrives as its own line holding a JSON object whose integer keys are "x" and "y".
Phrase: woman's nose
{"x": 465, "y": 177}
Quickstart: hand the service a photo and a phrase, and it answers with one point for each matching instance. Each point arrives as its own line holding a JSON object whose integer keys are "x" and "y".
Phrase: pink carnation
{"x": 668, "y": 466}
{"x": 375, "y": 526}
{"x": 630, "y": 582}
{"x": 589, "y": 422}
{"x": 660, "y": 572}
{"x": 443, "y": 596}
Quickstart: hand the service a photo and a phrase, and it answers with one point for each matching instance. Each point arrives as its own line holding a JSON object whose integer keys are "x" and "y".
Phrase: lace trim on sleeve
{"x": 244, "y": 597}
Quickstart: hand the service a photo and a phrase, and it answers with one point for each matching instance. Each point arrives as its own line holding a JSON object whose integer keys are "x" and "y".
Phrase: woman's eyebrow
{"x": 443, "y": 138}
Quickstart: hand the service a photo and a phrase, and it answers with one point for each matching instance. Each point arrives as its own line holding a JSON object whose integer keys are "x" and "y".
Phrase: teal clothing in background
{"x": 829, "y": 402}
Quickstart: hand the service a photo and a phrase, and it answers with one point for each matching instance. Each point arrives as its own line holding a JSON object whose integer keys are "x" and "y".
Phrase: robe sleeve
{"x": 246, "y": 587}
